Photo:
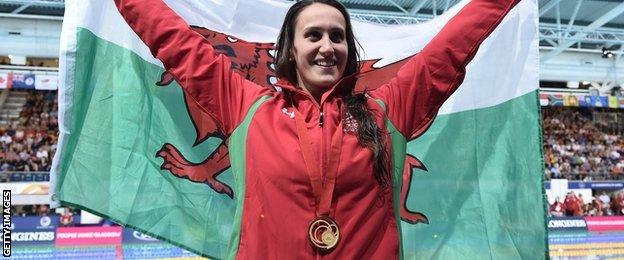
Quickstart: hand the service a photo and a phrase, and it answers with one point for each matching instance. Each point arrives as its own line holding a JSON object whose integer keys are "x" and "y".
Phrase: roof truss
{"x": 557, "y": 35}
{"x": 25, "y": 4}
{"x": 563, "y": 32}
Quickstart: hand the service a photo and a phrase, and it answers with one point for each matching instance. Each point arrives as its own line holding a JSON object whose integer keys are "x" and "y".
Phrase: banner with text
{"x": 23, "y": 80}
{"x": 606, "y": 223}
{"x": 46, "y": 82}
{"x": 36, "y": 222}
{"x": 76, "y": 236}
{"x": 33, "y": 237}
{"x": 580, "y": 100}
{"x": 567, "y": 223}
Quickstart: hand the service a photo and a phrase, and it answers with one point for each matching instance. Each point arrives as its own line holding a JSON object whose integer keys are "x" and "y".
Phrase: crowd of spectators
{"x": 576, "y": 149}
{"x": 65, "y": 214}
{"x": 29, "y": 143}
{"x": 574, "y": 205}
{"x": 31, "y": 210}
{"x": 41, "y": 210}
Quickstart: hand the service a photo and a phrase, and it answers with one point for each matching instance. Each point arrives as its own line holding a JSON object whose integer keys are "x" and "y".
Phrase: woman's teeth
{"x": 325, "y": 63}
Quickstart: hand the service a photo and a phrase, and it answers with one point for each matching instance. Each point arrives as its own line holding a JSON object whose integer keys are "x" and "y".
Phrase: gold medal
{"x": 324, "y": 233}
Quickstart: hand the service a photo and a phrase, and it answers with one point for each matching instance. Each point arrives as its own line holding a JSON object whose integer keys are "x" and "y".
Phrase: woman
{"x": 315, "y": 181}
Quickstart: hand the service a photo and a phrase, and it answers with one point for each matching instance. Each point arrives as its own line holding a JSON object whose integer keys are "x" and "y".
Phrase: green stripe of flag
{"x": 483, "y": 191}
{"x": 120, "y": 120}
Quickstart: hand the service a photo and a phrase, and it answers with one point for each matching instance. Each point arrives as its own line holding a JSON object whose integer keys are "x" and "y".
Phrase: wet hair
{"x": 369, "y": 134}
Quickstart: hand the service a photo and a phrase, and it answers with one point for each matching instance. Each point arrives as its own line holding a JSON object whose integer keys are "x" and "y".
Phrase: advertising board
{"x": 23, "y": 80}
{"x": 76, "y": 236}
{"x": 133, "y": 236}
{"x": 567, "y": 224}
{"x": 32, "y": 237}
{"x": 608, "y": 223}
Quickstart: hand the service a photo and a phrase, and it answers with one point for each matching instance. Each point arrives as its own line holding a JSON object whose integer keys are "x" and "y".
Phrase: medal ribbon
{"x": 323, "y": 191}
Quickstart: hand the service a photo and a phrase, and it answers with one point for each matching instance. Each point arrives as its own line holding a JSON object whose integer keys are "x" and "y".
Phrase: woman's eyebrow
{"x": 321, "y": 28}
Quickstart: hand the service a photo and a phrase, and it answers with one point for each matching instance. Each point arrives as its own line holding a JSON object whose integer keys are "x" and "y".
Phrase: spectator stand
{"x": 583, "y": 136}
{"x": 583, "y": 153}
{"x": 29, "y": 123}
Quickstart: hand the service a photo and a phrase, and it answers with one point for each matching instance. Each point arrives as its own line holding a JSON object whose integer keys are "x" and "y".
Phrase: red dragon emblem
{"x": 255, "y": 62}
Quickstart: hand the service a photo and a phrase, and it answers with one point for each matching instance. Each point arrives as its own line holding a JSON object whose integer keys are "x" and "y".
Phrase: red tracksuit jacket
{"x": 275, "y": 199}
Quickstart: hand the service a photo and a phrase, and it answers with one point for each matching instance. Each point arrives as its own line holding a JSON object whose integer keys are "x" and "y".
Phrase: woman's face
{"x": 320, "y": 48}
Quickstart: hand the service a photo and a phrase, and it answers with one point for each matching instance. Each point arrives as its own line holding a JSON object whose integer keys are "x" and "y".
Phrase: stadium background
{"x": 581, "y": 43}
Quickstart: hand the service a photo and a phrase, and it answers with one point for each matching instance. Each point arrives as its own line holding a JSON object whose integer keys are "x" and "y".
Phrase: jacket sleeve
{"x": 204, "y": 76}
{"x": 414, "y": 96}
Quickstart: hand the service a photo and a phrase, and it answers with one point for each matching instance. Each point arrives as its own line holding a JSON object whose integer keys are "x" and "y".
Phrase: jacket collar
{"x": 337, "y": 88}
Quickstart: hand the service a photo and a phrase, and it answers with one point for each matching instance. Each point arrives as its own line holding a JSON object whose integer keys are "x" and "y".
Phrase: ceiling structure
{"x": 33, "y": 7}
{"x": 582, "y": 25}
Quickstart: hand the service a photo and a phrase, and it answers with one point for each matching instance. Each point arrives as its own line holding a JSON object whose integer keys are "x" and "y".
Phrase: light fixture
{"x": 617, "y": 91}
{"x": 606, "y": 53}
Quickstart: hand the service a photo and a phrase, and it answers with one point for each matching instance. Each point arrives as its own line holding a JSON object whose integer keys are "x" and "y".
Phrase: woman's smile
{"x": 320, "y": 48}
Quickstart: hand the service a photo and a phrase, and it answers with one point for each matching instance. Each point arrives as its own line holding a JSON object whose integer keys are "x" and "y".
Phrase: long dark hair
{"x": 369, "y": 134}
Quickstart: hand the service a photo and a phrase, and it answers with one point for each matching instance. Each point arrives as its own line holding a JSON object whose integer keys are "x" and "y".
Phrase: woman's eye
{"x": 314, "y": 36}
{"x": 336, "y": 37}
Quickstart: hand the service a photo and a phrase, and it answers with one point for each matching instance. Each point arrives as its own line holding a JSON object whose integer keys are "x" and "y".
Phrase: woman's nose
{"x": 326, "y": 48}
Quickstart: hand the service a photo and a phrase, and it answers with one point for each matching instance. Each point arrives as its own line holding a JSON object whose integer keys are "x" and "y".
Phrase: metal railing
{"x": 595, "y": 176}
{"x": 21, "y": 176}
{"x": 578, "y": 33}
{"x": 36, "y": 3}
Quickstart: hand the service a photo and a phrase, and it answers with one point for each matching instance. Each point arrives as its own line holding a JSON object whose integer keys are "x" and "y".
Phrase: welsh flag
{"x": 472, "y": 184}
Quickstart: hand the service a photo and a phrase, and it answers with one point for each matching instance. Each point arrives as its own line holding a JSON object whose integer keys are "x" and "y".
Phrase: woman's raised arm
{"x": 422, "y": 85}
{"x": 203, "y": 74}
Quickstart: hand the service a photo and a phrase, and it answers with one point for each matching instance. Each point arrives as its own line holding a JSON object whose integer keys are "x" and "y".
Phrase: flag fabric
{"x": 473, "y": 182}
